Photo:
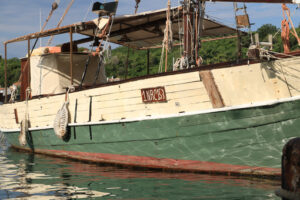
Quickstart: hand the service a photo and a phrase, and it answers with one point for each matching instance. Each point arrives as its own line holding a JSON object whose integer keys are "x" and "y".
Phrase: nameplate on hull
{"x": 151, "y": 95}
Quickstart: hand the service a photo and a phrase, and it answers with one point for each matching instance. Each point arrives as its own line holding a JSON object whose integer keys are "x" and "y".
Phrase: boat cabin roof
{"x": 143, "y": 30}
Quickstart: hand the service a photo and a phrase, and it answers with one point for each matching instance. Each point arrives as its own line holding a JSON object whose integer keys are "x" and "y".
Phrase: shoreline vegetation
{"x": 211, "y": 52}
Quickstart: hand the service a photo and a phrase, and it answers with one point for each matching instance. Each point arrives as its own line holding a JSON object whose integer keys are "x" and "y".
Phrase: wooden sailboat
{"x": 228, "y": 118}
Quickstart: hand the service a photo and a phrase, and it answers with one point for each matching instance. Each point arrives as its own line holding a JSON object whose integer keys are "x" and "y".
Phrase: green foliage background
{"x": 211, "y": 52}
{"x": 13, "y": 71}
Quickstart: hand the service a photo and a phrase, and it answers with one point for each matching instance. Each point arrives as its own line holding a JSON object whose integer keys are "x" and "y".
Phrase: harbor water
{"x": 29, "y": 176}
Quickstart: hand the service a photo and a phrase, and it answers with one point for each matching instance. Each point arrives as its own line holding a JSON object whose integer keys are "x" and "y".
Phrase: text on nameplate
{"x": 157, "y": 94}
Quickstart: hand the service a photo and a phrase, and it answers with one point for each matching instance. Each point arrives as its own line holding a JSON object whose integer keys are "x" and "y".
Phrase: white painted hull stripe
{"x": 265, "y": 103}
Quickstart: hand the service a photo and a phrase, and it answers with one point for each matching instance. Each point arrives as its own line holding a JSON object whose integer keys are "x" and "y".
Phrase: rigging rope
{"x": 180, "y": 31}
{"x": 105, "y": 49}
{"x": 286, "y": 28}
{"x": 25, "y": 122}
{"x": 264, "y": 53}
{"x": 60, "y": 21}
{"x": 53, "y": 8}
{"x": 200, "y": 28}
{"x": 102, "y": 60}
{"x": 13, "y": 94}
{"x": 137, "y": 2}
{"x": 88, "y": 10}
{"x": 168, "y": 39}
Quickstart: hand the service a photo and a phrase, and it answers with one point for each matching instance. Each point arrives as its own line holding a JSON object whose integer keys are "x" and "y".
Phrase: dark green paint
{"x": 251, "y": 136}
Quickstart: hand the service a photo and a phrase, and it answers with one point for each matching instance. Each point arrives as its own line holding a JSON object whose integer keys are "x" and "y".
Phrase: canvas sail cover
{"x": 136, "y": 31}
{"x": 146, "y": 29}
{"x": 50, "y": 73}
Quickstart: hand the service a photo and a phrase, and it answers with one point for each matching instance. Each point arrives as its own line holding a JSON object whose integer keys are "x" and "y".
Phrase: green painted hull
{"x": 250, "y": 136}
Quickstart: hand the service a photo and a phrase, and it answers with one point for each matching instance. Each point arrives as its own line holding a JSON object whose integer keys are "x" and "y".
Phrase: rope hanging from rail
{"x": 25, "y": 122}
{"x": 168, "y": 39}
{"x": 13, "y": 94}
{"x": 104, "y": 34}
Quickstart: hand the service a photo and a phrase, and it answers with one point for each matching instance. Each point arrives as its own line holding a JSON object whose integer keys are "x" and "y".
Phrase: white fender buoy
{"x": 62, "y": 117}
{"x": 23, "y": 132}
{"x": 61, "y": 121}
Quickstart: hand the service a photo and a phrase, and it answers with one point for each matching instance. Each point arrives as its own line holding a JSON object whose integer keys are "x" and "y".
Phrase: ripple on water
{"x": 27, "y": 176}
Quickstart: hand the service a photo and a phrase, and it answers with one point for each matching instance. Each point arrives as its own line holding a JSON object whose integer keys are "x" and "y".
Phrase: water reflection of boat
{"x": 58, "y": 178}
{"x": 21, "y": 179}
{"x": 228, "y": 118}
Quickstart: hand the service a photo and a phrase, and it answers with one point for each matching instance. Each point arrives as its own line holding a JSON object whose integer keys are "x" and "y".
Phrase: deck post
{"x": 126, "y": 65}
{"x": 187, "y": 31}
{"x": 148, "y": 61}
{"x": 5, "y": 71}
{"x": 71, "y": 55}
{"x": 28, "y": 61}
{"x": 238, "y": 41}
{"x": 167, "y": 31}
{"x": 198, "y": 30}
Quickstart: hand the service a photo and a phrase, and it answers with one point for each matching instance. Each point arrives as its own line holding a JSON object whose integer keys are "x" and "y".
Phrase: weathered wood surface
{"x": 237, "y": 85}
{"x": 115, "y": 102}
{"x": 257, "y": 82}
{"x": 212, "y": 89}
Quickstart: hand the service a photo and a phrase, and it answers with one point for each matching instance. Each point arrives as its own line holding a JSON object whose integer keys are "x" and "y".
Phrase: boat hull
{"x": 241, "y": 141}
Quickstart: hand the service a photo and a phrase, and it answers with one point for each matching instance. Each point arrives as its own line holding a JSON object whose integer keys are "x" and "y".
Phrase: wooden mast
{"x": 187, "y": 29}
{"x": 167, "y": 32}
{"x": 71, "y": 56}
{"x": 5, "y": 72}
{"x": 238, "y": 41}
{"x": 28, "y": 64}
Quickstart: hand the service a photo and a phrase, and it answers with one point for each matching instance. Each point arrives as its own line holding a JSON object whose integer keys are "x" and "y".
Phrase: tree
{"x": 266, "y": 29}
{"x": 13, "y": 71}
